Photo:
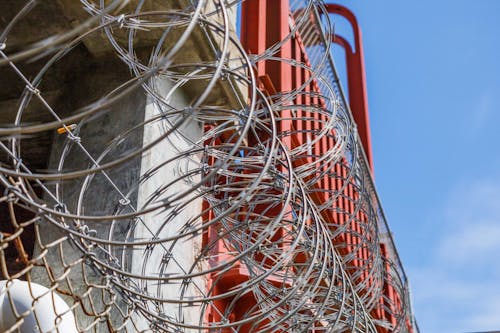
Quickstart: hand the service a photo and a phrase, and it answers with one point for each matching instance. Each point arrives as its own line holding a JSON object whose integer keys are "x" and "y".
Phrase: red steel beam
{"x": 253, "y": 29}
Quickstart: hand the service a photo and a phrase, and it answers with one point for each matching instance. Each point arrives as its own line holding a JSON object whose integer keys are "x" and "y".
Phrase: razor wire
{"x": 158, "y": 192}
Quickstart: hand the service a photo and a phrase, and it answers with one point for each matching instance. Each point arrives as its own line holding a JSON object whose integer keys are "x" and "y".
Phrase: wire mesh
{"x": 167, "y": 176}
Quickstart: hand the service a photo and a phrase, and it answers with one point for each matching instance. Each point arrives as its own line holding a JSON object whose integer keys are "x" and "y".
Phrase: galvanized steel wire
{"x": 118, "y": 260}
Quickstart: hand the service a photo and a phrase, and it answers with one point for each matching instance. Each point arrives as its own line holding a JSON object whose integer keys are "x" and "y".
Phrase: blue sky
{"x": 433, "y": 71}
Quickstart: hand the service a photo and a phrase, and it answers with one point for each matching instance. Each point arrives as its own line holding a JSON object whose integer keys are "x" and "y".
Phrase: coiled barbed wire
{"x": 170, "y": 199}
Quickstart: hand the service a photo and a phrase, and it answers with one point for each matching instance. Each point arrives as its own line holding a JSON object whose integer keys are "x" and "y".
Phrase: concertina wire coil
{"x": 137, "y": 223}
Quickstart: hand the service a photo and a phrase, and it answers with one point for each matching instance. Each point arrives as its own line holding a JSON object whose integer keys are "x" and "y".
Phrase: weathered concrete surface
{"x": 80, "y": 78}
{"x": 173, "y": 257}
{"x": 93, "y": 195}
{"x": 51, "y": 18}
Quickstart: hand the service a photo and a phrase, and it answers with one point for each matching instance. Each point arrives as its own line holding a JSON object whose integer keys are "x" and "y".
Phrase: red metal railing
{"x": 267, "y": 24}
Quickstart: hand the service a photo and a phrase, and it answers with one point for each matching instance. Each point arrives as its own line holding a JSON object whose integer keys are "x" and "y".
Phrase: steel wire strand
{"x": 143, "y": 225}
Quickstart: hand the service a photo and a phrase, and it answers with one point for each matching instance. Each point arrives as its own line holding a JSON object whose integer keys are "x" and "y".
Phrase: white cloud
{"x": 458, "y": 290}
{"x": 489, "y": 316}
{"x": 472, "y": 201}
{"x": 472, "y": 243}
{"x": 484, "y": 109}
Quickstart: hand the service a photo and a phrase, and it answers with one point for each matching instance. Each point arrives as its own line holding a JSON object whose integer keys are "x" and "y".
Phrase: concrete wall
{"x": 92, "y": 195}
{"x": 89, "y": 73}
{"x": 95, "y": 195}
{"x": 176, "y": 257}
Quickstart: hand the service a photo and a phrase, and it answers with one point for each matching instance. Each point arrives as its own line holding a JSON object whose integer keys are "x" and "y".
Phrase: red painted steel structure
{"x": 356, "y": 78}
{"x": 264, "y": 23}
{"x": 259, "y": 31}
